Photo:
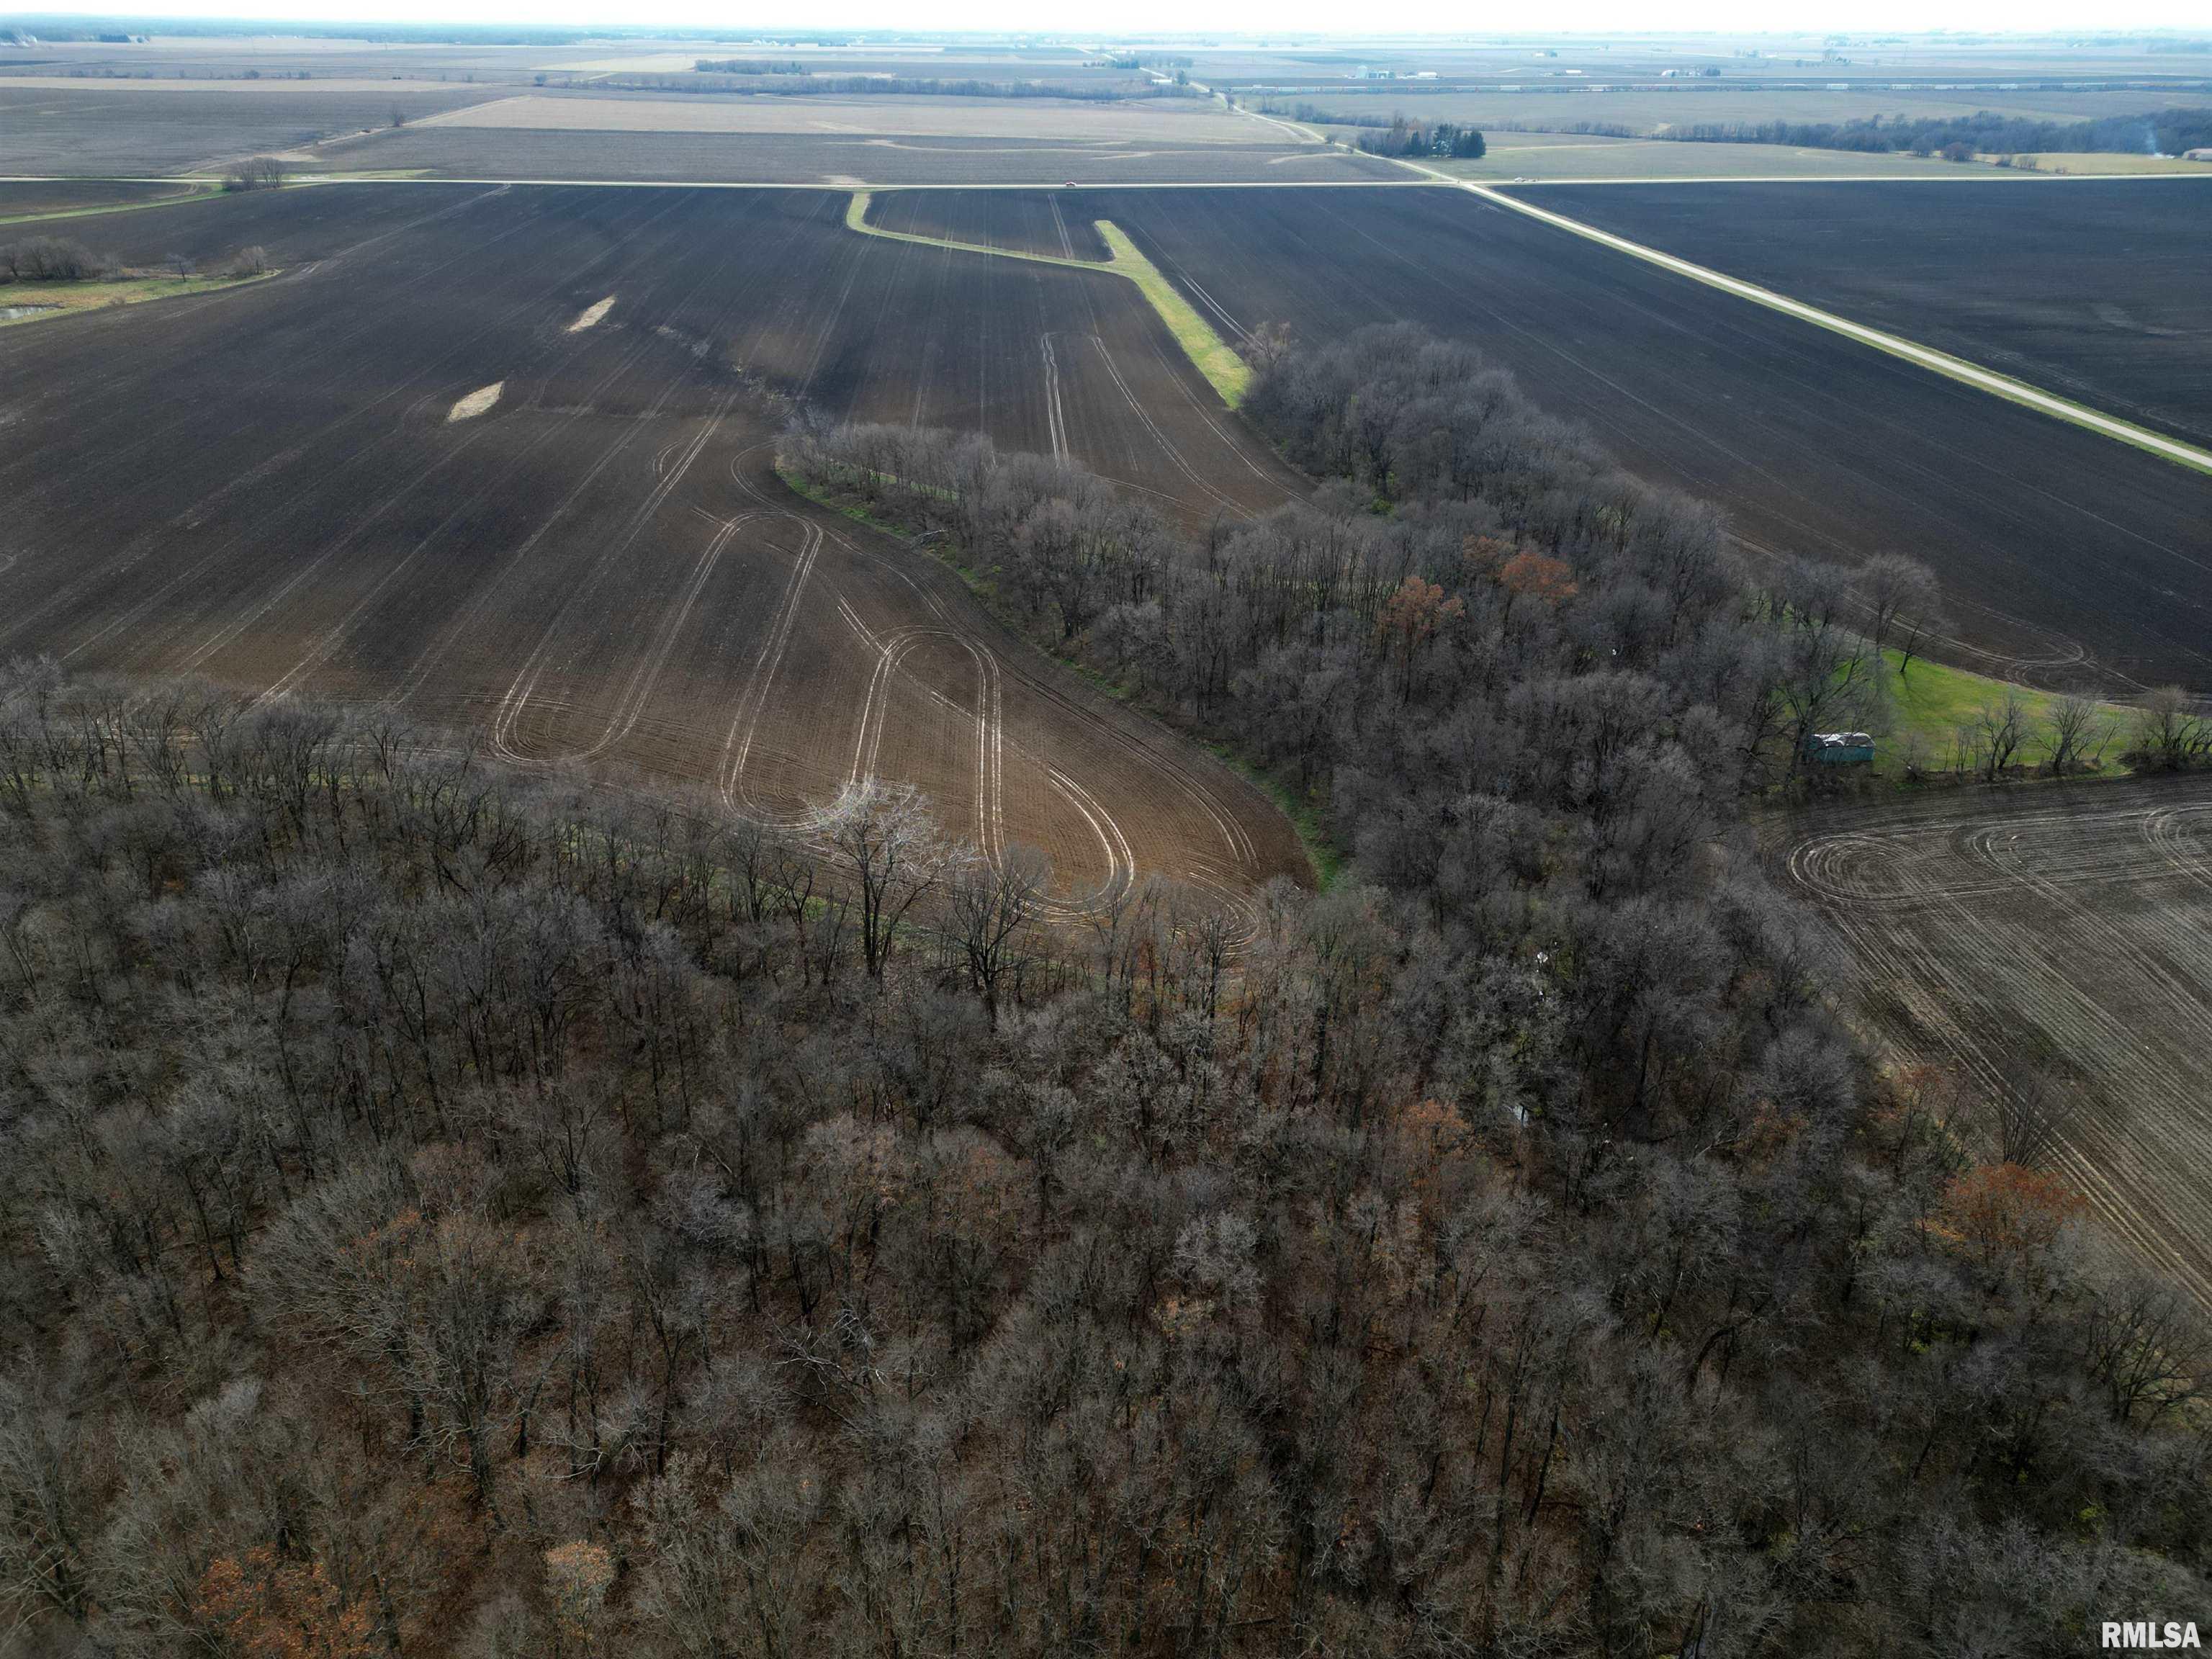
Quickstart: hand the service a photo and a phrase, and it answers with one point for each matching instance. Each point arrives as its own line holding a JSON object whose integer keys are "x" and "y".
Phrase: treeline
{"x": 451, "y": 1212}
{"x": 50, "y": 259}
{"x": 1398, "y": 135}
{"x": 804, "y": 83}
{"x": 2166, "y": 131}
{"x": 61, "y": 259}
{"x": 747, "y": 66}
{"x": 1405, "y": 136}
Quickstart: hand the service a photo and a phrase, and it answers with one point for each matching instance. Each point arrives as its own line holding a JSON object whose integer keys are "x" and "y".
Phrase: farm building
{"x": 1840, "y": 748}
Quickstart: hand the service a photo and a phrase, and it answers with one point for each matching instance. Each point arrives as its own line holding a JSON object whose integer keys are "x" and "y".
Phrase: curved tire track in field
{"x": 2056, "y": 939}
{"x": 1171, "y": 780}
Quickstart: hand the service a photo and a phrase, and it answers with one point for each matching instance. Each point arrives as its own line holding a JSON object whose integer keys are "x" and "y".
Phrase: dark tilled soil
{"x": 1052, "y": 222}
{"x": 264, "y": 486}
{"x": 2094, "y": 290}
{"x": 69, "y": 195}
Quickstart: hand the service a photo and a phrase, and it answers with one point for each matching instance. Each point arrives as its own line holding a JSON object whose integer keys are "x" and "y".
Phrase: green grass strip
{"x": 1927, "y": 704}
{"x": 1227, "y": 372}
{"x": 73, "y": 299}
{"x": 198, "y": 192}
{"x": 1211, "y": 355}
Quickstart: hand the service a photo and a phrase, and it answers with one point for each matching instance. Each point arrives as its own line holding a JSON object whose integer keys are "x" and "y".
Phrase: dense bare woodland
{"x": 450, "y": 1211}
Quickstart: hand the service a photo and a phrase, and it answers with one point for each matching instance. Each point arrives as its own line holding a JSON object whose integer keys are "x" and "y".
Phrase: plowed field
{"x": 270, "y": 487}
{"x": 2067, "y": 557}
{"x": 2058, "y": 940}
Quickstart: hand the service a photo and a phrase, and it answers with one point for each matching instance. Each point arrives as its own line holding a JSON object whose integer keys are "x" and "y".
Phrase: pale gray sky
{"x": 1123, "y": 17}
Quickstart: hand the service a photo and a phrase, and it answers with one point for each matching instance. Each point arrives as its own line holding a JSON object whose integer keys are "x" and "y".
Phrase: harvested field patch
{"x": 1047, "y": 120}
{"x": 2090, "y": 290}
{"x": 122, "y": 127}
{"x": 1540, "y": 156}
{"x": 606, "y": 570}
{"x": 2054, "y": 939}
{"x": 2066, "y": 556}
{"x": 772, "y": 158}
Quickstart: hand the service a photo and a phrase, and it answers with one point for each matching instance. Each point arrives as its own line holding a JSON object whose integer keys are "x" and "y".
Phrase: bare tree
{"x": 1904, "y": 604}
{"x": 49, "y": 1502}
{"x": 2075, "y": 734}
{"x": 989, "y": 913}
{"x": 2170, "y": 729}
{"x": 259, "y": 172}
{"x": 881, "y": 837}
{"x": 2028, "y": 1122}
{"x": 1998, "y": 732}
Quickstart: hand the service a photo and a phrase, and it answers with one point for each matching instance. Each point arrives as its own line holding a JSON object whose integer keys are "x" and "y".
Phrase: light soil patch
{"x": 477, "y": 402}
{"x": 1560, "y": 158}
{"x": 267, "y": 88}
{"x": 1191, "y": 120}
{"x": 592, "y": 315}
{"x": 1212, "y": 356}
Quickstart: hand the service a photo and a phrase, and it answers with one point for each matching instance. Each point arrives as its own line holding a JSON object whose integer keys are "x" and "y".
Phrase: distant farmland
{"x": 153, "y": 127}
{"x": 787, "y": 158}
{"x": 272, "y": 489}
{"x": 2064, "y": 554}
{"x": 2095, "y": 289}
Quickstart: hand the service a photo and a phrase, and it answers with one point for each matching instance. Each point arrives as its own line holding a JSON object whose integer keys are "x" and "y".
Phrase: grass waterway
{"x": 33, "y": 302}
{"x": 1213, "y": 357}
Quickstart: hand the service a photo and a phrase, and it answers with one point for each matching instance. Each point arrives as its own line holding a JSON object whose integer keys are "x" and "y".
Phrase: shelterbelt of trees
{"x": 452, "y": 1212}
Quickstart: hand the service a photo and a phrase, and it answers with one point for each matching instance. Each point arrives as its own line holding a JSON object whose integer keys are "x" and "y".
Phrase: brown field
{"x": 602, "y": 569}
{"x": 2057, "y": 940}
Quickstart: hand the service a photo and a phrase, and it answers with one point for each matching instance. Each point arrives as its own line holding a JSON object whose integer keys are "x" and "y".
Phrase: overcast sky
{"x": 1240, "y": 17}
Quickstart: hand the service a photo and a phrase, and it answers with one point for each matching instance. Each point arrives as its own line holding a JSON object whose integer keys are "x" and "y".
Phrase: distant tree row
{"x": 782, "y": 82}
{"x": 748, "y": 66}
{"x": 1408, "y": 137}
{"x": 258, "y": 172}
{"x": 50, "y": 259}
{"x": 2165, "y": 131}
